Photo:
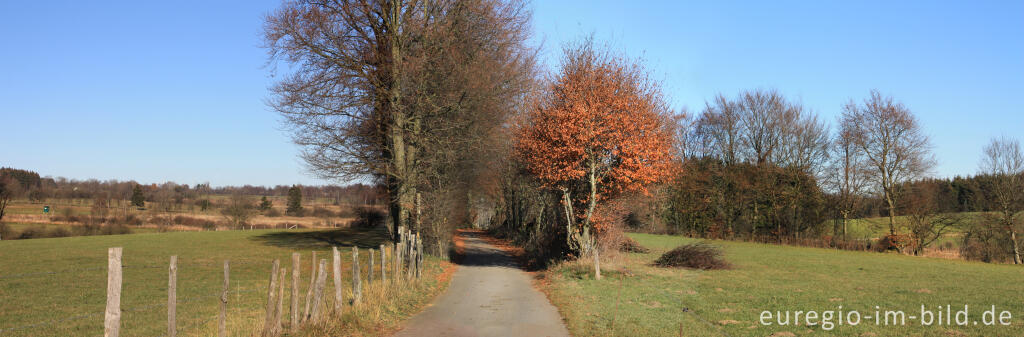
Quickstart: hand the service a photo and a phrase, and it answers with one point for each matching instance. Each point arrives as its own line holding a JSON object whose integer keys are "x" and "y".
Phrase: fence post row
{"x": 112, "y": 316}
{"x": 172, "y": 297}
{"x": 407, "y": 253}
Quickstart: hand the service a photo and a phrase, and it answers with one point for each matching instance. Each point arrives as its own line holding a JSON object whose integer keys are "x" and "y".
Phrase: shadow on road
{"x": 477, "y": 252}
{"x": 325, "y": 239}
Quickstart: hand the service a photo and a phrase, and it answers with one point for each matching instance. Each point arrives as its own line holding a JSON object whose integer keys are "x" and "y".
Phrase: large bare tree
{"x": 384, "y": 88}
{"x": 848, "y": 175}
{"x": 1004, "y": 161}
{"x": 893, "y": 143}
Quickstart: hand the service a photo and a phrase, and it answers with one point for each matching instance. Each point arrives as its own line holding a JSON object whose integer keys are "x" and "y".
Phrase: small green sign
{"x": 46, "y": 209}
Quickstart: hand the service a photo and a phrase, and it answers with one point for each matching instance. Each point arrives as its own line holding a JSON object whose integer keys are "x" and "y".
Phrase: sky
{"x": 176, "y": 90}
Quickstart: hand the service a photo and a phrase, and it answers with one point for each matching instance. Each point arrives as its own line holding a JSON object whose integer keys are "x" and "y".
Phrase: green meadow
{"x": 638, "y": 299}
{"x": 58, "y": 286}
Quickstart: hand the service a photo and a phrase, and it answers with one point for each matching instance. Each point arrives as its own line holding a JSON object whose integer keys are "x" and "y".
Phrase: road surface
{"x": 488, "y": 296}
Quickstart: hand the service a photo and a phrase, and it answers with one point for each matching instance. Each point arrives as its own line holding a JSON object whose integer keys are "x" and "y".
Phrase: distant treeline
{"x": 28, "y": 184}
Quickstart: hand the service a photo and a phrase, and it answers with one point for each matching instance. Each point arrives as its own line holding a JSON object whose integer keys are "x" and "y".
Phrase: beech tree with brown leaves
{"x": 602, "y": 129}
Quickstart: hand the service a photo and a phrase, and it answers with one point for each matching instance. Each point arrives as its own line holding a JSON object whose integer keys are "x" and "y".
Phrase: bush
{"x": 132, "y": 220}
{"x": 34, "y": 232}
{"x": 630, "y": 246}
{"x": 5, "y": 232}
{"x": 60, "y": 232}
{"x": 368, "y": 217}
{"x": 699, "y": 255}
{"x": 272, "y": 213}
{"x": 321, "y": 212}
{"x": 116, "y": 229}
{"x": 194, "y": 222}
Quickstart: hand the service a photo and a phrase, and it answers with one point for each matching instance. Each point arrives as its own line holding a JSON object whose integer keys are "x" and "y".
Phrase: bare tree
{"x": 1004, "y": 161}
{"x": 238, "y": 210}
{"x": 378, "y": 84}
{"x": 5, "y": 197}
{"x": 893, "y": 142}
{"x": 719, "y": 129}
{"x": 924, "y": 222}
{"x": 766, "y": 118}
{"x": 848, "y": 175}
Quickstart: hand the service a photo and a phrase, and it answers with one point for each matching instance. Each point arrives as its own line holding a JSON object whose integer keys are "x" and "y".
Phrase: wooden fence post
{"x": 369, "y": 269}
{"x": 222, "y": 330}
{"x": 383, "y": 265}
{"x": 268, "y": 323}
{"x": 112, "y": 316}
{"x": 397, "y": 265}
{"x": 337, "y": 282}
{"x": 419, "y": 256}
{"x": 412, "y": 256}
{"x": 321, "y": 281}
{"x": 172, "y": 297}
{"x": 357, "y": 286}
{"x": 280, "y": 301}
{"x": 296, "y": 259}
{"x": 312, "y": 283}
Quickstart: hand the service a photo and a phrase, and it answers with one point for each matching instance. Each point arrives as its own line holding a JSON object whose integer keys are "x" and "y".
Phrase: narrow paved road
{"x": 488, "y": 296}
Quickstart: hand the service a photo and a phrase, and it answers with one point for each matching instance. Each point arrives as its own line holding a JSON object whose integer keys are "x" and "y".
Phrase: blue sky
{"x": 158, "y": 91}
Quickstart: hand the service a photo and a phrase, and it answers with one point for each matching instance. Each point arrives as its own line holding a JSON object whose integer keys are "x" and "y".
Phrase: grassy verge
{"x": 638, "y": 299}
{"x": 57, "y": 286}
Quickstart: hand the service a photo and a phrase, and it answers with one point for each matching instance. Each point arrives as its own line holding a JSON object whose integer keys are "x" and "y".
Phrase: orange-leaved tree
{"x": 602, "y": 128}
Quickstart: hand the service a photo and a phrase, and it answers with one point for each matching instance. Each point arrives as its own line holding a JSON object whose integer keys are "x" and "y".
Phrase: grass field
{"x": 637, "y": 299}
{"x": 870, "y": 228}
{"x": 57, "y": 286}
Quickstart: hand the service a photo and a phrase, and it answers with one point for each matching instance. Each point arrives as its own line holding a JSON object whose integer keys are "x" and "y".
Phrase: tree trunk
{"x": 892, "y": 212}
{"x": 1016, "y": 247}
{"x": 846, "y": 220}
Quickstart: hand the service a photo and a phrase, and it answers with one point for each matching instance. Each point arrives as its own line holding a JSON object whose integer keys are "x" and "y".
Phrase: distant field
{"x": 870, "y": 228}
{"x": 52, "y": 283}
{"x": 638, "y": 299}
{"x": 22, "y": 214}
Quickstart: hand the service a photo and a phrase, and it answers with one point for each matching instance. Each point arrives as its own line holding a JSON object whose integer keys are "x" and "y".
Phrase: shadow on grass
{"x": 325, "y": 239}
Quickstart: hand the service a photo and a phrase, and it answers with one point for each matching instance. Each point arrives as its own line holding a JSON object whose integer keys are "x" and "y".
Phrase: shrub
{"x": 60, "y": 232}
{"x": 5, "y": 232}
{"x": 85, "y": 230}
{"x": 115, "y": 229}
{"x": 630, "y": 246}
{"x": 194, "y": 222}
{"x": 32, "y": 233}
{"x": 368, "y": 217}
{"x": 132, "y": 220}
{"x": 272, "y": 213}
{"x": 321, "y": 212}
{"x": 699, "y": 255}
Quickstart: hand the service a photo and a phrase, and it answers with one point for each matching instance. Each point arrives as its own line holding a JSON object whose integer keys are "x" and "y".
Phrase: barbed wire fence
{"x": 403, "y": 262}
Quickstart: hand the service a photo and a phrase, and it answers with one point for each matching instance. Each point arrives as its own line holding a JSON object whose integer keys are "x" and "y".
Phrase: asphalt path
{"x": 488, "y": 296}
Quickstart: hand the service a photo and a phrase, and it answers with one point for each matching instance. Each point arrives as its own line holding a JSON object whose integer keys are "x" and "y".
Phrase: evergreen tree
{"x": 265, "y": 204}
{"x": 294, "y": 201}
{"x": 138, "y": 200}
